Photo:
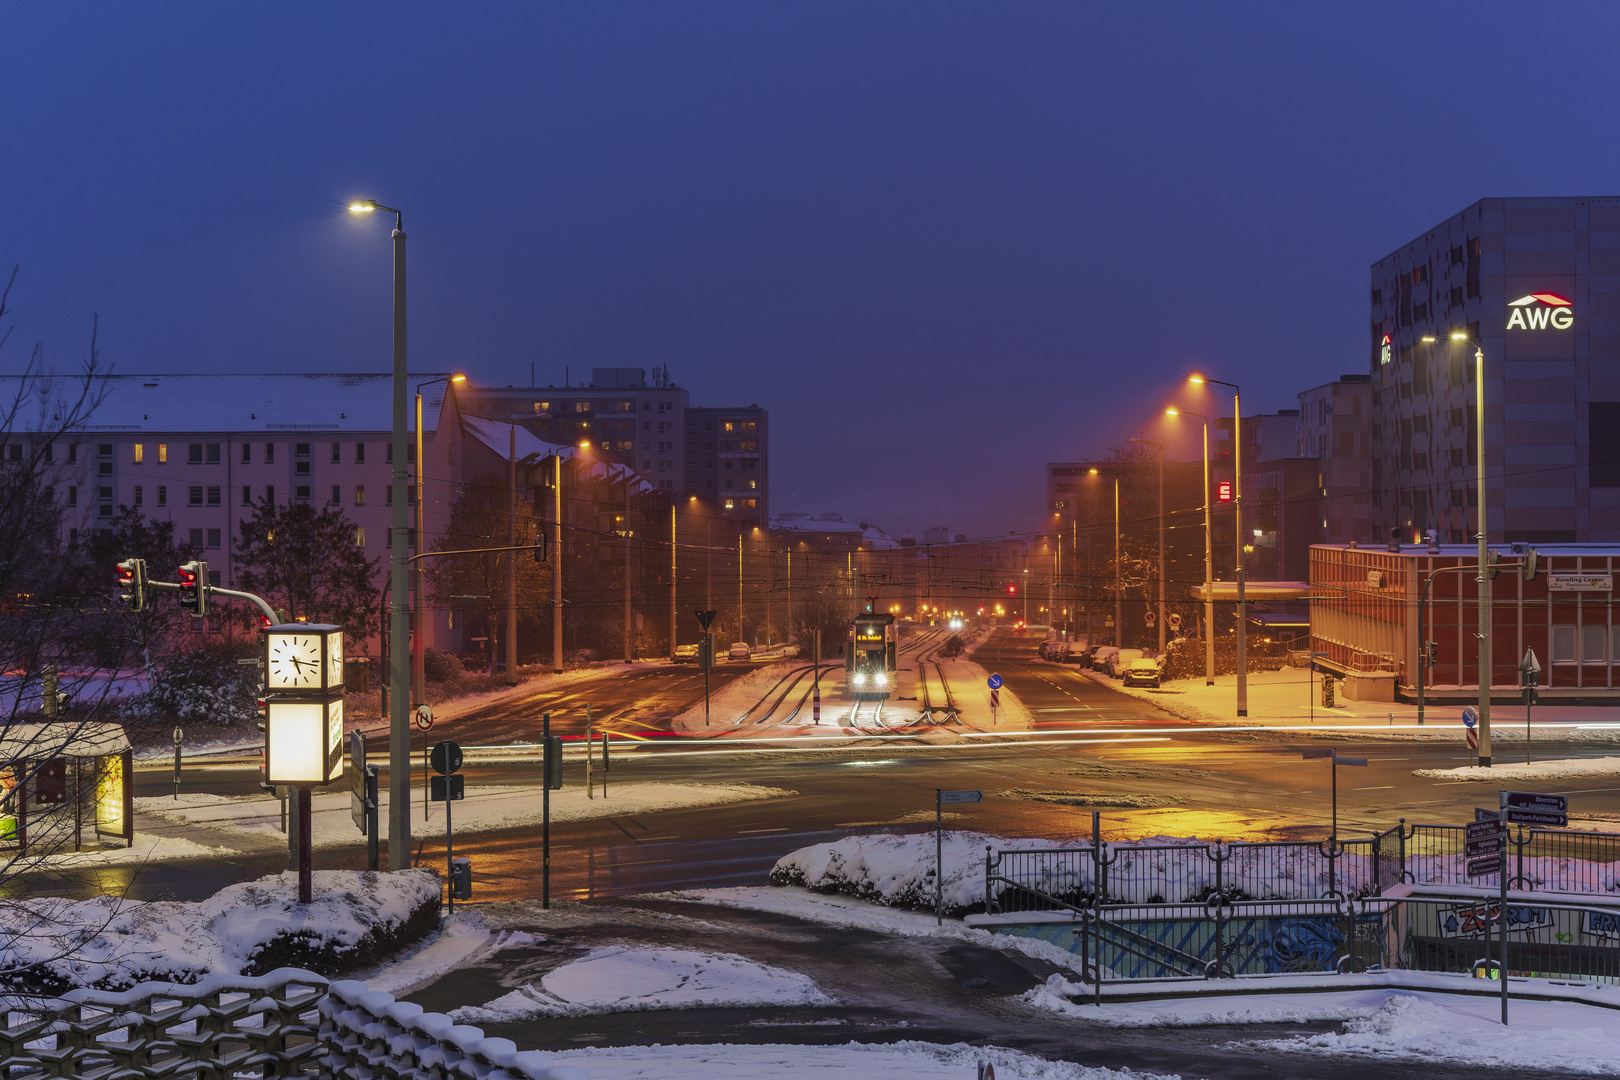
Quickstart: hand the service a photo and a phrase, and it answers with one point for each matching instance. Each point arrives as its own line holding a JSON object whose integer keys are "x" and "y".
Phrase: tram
{"x": 869, "y": 656}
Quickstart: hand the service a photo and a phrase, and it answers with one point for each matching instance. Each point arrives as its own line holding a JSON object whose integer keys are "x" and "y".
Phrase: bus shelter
{"x": 63, "y": 778}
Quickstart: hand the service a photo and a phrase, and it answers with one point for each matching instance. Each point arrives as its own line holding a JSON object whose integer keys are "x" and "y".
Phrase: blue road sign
{"x": 994, "y": 681}
{"x": 1470, "y": 716}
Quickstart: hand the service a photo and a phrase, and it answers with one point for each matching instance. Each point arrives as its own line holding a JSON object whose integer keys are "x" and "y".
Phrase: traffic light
{"x": 1531, "y": 557}
{"x": 132, "y": 580}
{"x": 194, "y": 588}
{"x": 540, "y": 547}
{"x": 1431, "y": 653}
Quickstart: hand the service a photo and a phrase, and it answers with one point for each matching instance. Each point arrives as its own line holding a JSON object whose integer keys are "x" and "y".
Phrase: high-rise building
{"x": 1334, "y": 421}
{"x": 1535, "y": 282}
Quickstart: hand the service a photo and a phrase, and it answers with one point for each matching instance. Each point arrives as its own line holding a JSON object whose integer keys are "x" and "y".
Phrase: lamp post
{"x": 1483, "y": 577}
{"x": 1237, "y": 519}
{"x": 418, "y": 606}
{"x": 399, "y": 727}
{"x": 556, "y": 567}
{"x": 1119, "y": 593}
{"x": 1161, "y": 620}
{"x": 1209, "y": 559}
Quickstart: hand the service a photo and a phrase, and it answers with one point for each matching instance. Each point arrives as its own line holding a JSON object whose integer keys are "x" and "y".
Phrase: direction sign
{"x": 1538, "y": 817}
{"x": 961, "y": 796}
{"x": 1482, "y": 814}
{"x": 1482, "y": 827}
{"x": 1470, "y": 716}
{"x": 994, "y": 681}
{"x": 1535, "y": 800}
{"x": 1490, "y": 845}
{"x": 1489, "y": 865}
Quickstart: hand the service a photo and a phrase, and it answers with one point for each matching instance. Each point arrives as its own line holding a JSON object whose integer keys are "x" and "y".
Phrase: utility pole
{"x": 556, "y": 570}
{"x": 1484, "y": 577}
{"x": 511, "y": 558}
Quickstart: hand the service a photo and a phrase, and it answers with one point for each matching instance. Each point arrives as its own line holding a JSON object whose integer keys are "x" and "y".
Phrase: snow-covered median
{"x": 50, "y": 945}
{"x": 892, "y": 1061}
{"x": 484, "y": 808}
{"x": 1567, "y": 768}
{"x": 621, "y": 979}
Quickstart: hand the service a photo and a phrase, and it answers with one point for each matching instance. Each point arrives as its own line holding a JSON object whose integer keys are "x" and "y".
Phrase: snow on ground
{"x": 484, "y": 808}
{"x": 146, "y": 848}
{"x": 892, "y": 1061}
{"x": 616, "y": 978}
{"x": 109, "y": 941}
{"x": 1536, "y": 770}
{"x": 464, "y": 935}
{"x": 1292, "y": 698}
{"x": 727, "y": 705}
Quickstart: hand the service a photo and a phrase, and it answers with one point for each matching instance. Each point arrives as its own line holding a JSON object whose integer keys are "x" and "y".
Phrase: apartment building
{"x": 1335, "y": 422}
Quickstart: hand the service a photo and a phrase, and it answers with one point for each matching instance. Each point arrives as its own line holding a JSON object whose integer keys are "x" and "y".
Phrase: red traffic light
{"x": 187, "y": 575}
{"x": 126, "y": 574}
{"x": 1223, "y": 491}
{"x": 1011, "y": 589}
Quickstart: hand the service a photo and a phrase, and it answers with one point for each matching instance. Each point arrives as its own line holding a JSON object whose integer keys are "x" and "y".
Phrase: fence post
{"x": 1378, "y": 863}
{"x": 987, "y": 879}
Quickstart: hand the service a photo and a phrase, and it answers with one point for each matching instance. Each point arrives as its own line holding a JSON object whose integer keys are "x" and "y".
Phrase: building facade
{"x": 720, "y": 455}
{"x": 1334, "y": 425}
{"x": 1536, "y": 283}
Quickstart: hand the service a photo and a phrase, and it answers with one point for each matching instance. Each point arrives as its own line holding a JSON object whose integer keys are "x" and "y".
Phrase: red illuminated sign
{"x": 1223, "y": 490}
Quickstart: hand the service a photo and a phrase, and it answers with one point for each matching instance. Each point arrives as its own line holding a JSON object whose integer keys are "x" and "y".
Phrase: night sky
{"x": 942, "y": 243}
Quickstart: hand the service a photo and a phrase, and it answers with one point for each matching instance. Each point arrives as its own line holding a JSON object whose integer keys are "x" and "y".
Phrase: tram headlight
{"x": 860, "y": 678}
{"x": 881, "y": 679}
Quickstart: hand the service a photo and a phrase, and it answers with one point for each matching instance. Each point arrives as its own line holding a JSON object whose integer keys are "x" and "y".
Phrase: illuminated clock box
{"x": 303, "y": 658}
{"x": 303, "y": 741}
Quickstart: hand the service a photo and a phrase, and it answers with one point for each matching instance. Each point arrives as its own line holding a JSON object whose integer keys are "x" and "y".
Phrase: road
{"x": 1145, "y": 772}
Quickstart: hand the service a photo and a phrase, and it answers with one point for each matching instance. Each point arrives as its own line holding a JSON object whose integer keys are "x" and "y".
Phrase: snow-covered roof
{"x": 497, "y": 436}
{"x": 880, "y": 540}
{"x": 821, "y": 521}
{"x": 233, "y": 403}
{"x": 61, "y": 739}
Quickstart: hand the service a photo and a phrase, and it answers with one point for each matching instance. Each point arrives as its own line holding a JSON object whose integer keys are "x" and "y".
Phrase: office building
{"x": 1536, "y": 283}
{"x": 1334, "y": 424}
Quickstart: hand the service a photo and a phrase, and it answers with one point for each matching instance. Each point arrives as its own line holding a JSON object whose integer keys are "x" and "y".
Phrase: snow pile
{"x": 899, "y": 870}
{"x": 892, "y": 1061}
{"x": 1538, "y": 770}
{"x": 51, "y": 945}
{"x": 1541, "y": 1035}
{"x": 622, "y": 979}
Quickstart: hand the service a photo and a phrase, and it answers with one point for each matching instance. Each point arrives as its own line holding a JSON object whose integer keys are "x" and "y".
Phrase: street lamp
{"x": 1161, "y": 619}
{"x": 399, "y": 727}
{"x": 419, "y": 608}
{"x": 674, "y": 567}
{"x": 1483, "y": 576}
{"x": 1237, "y": 519}
{"x": 1119, "y": 592}
{"x": 1209, "y": 559}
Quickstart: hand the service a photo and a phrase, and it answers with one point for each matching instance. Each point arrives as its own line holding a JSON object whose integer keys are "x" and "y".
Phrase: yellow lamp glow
{"x": 303, "y": 741}
{"x": 362, "y": 208}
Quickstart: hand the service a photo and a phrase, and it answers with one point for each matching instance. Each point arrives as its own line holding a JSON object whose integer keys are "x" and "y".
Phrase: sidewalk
{"x": 1292, "y": 698}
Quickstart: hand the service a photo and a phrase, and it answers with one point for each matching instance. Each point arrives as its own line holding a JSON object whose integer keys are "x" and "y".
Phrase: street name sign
{"x": 961, "y": 796}
{"x": 1535, "y": 800}
{"x": 1480, "y": 867}
{"x": 1489, "y": 845}
{"x": 1482, "y": 827}
{"x": 1538, "y": 817}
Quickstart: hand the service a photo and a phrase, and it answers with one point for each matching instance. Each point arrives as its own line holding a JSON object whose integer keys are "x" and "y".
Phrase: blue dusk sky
{"x": 942, "y": 243}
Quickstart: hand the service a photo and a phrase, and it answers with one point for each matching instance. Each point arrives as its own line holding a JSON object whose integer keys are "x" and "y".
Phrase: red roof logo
{"x": 1550, "y": 299}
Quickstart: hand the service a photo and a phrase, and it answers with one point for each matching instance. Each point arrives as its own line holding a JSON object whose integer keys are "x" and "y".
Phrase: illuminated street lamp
{"x": 1237, "y": 532}
{"x": 1209, "y": 559}
{"x": 399, "y": 726}
{"x": 1482, "y": 576}
{"x": 1119, "y": 592}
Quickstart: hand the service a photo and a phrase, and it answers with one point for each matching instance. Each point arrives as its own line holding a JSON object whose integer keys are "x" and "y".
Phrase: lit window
{"x": 163, "y": 454}
{"x": 140, "y": 453}
{"x": 359, "y": 494}
{"x": 360, "y": 536}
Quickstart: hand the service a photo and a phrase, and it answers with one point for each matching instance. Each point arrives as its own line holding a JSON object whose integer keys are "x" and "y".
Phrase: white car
{"x": 740, "y": 651}
{"x": 1142, "y": 672}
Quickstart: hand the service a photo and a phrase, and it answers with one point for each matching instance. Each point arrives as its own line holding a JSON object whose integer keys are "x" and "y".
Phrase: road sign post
{"x": 179, "y": 737}
{"x": 1333, "y": 756}
{"x": 942, "y": 797}
{"x": 1470, "y": 719}
{"x": 706, "y": 657}
{"x": 995, "y": 684}
{"x": 446, "y": 758}
{"x": 1529, "y": 671}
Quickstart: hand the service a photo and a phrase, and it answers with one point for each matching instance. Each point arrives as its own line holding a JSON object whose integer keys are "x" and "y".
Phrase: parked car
{"x": 790, "y": 651}
{"x": 686, "y": 654}
{"x": 741, "y": 651}
{"x": 1142, "y": 672}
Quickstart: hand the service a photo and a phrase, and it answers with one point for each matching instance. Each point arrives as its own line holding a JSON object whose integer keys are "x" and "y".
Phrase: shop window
{"x": 1594, "y": 644}
{"x": 1563, "y": 645}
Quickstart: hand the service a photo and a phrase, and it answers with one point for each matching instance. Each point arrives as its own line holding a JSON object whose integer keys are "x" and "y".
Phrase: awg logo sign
{"x": 1541, "y": 311}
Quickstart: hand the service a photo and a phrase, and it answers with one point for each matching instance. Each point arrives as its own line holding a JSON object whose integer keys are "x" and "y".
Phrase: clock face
{"x": 295, "y": 662}
{"x": 334, "y": 660}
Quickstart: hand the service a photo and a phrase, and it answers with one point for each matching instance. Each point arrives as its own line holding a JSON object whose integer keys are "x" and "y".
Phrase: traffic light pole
{"x": 1422, "y": 642}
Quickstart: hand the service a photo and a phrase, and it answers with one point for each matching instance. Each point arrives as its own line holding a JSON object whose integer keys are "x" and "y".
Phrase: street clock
{"x": 304, "y": 658}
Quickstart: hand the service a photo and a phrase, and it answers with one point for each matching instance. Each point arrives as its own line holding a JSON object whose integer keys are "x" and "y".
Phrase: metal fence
{"x": 1207, "y": 910}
